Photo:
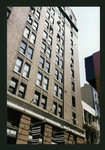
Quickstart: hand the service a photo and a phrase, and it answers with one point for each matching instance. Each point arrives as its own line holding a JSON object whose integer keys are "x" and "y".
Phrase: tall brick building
{"x": 43, "y": 83}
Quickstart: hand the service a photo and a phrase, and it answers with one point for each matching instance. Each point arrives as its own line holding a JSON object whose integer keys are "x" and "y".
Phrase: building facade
{"x": 43, "y": 83}
{"x": 91, "y": 125}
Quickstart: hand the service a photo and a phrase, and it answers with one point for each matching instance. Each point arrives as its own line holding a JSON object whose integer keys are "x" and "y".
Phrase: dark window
{"x": 45, "y": 83}
{"x": 53, "y": 11}
{"x": 35, "y": 26}
{"x": 60, "y": 111}
{"x": 71, "y": 42}
{"x": 57, "y": 60}
{"x": 30, "y": 20}
{"x": 73, "y": 101}
{"x": 26, "y": 33}
{"x": 41, "y": 62}
{"x": 33, "y": 38}
{"x": 61, "y": 77}
{"x": 55, "y": 108}
{"x": 73, "y": 86}
{"x": 39, "y": 79}
{"x": 8, "y": 13}
{"x": 47, "y": 67}
{"x": 51, "y": 29}
{"x": 29, "y": 53}
{"x": 55, "y": 90}
{"x": 22, "y": 90}
{"x": 60, "y": 93}
{"x": 36, "y": 98}
{"x": 22, "y": 47}
{"x": 37, "y": 15}
{"x": 26, "y": 70}
{"x": 13, "y": 86}
{"x": 48, "y": 53}
{"x": 71, "y": 51}
{"x": 74, "y": 118}
{"x": 47, "y": 15}
{"x": 43, "y": 102}
{"x": 71, "y": 34}
{"x": 56, "y": 74}
{"x": 72, "y": 73}
{"x": 32, "y": 10}
{"x": 18, "y": 65}
{"x": 43, "y": 48}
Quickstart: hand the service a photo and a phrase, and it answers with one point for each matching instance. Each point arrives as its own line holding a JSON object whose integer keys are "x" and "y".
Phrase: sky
{"x": 88, "y": 24}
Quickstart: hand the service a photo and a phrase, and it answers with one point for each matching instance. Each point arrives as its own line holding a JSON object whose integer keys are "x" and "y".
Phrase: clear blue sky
{"x": 88, "y": 24}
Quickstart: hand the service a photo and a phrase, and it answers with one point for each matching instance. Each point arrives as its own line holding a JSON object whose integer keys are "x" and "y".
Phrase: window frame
{"x": 41, "y": 63}
{"x": 56, "y": 91}
{"x": 25, "y": 71}
{"x": 22, "y": 47}
{"x": 13, "y": 87}
{"x": 46, "y": 67}
{"x": 32, "y": 40}
{"x": 30, "y": 53}
{"x": 39, "y": 81}
{"x": 45, "y": 85}
{"x": 26, "y": 34}
{"x": 19, "y": 66}
{"x": 22, "y": 92}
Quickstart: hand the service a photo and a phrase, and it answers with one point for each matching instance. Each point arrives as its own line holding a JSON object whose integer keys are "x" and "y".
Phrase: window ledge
{"x": 21, "y": 53}
{"x": 58, "y": 81}
{"x": 73, "y": 108}
{"x": 29, "y": 59}
{"x": 72, "y": 79}
{"x": 45, "y": 90}
{"x": 31, "y": 43}
{"x": 58, "y": 98}
{"x": 16, "y": 72}
{"x": 73, "y": 92}
{"x": 38, "y": 86}
{"x": 25, "y": 77}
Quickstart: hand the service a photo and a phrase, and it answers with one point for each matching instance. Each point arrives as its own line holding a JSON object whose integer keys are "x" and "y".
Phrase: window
{"x": 29, "y": 53}
{"x": 57, "y": 60}
{"x": 48, "y": 53}
{"x": 51, "y": 29}
{"x": 62, "y": 32}
{"x": 22, "y": 47}
{"x": 58, "y": 37}
{"x": 60, "y": 111}
{"x": 46, "y": 24}
{"x": 55, "y": 90}
{"x": 37, "y": 15}
{"x": 8, "y": 13}
{"x": 62, "y": 23}
{"x": 72, "y": 61}
{"x": 47, "y": 67}
{"x": 62, "y": 41}
{"x": 71, "y": 34}
{"x": 18, "y": 65}
{"x": 58, "y": 48}
{"x": 55, "y": 108}
{"x": 26, "y": 70}
{"x": 35, "y": 26}
{"x": 59, "y": 28}
{"x": 74, "y": 118}
{"x": 30, "y": 20}
{"x": 61, "y": 77}
{"x": 39, "y": 8}
{"x": 47, "y": 15}
{"x": 60, "y": 93}
{"x": 71, "y": 51}
{"x": 49, "y": 40}
{"x": 39, "y": 79}
{"x": 71, "y": 42}
{"x": 33, "y": 37}
{"x": 45, "y": 35}
{"x": 72, "y": 73}
{"x": 43, "y": 48}
{"x": 43, "y": 102}
{"x": 53, "y": 11}
{"x": 22, "y": 90}
{"x": 36, "y": 98}
{"x": 56, "y": 74}
{"x": 41, "y": 62}
{"x": 26, "y": 32}
{"x": 73, "y": 86}
{"x": 61, "y": 52}
{"x": 52, "y": 20}
{"x": 49, "y": 8}
{"x": 61, "y": 64}
{"x": 32, "y": 10}
{"x": 13, "y": 86}
{"x": 45, "y": 83}
{"x": 73, "y": 101}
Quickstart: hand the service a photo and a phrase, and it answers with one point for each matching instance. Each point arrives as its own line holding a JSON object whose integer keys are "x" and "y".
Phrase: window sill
{"x": 32, "y": 43}
{"x": 29, "y": 59}
{"x": 73, "y": 108}
{"x": 45, "y": 90}
{"x": 72, "y": 79}
{"x": 59, "y": 67}
{"x": 57, "y": 98}
{"x": 25, "y": 37}
{"x": 41, "y": 68}
{"x": 73, "y": 92}
{"x": 16, "y": 72}
{"x": 58, "y": 81}
{"x": 21, "y": 53}
{"x": 25, "y": 77}
{"x": 38, "y": 86}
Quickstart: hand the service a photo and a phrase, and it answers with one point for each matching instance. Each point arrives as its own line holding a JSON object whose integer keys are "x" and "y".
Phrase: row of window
{"x": 37, "y": 13}
{"x": 35, "y": 23}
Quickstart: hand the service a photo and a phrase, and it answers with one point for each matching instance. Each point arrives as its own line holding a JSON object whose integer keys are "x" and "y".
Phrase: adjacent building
{"x": 92, "y": 66}
{"x": 43, "y": 82}
{"x": 91, "y": 125}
